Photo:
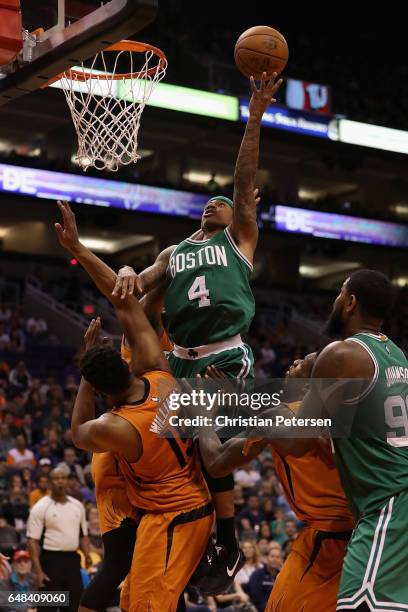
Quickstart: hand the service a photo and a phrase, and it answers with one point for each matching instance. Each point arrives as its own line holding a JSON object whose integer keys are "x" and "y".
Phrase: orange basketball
{"x": 261, "y": 49}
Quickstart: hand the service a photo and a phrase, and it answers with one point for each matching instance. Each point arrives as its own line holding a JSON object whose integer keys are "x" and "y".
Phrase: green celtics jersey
{"x": 373, "y": 460}
{"x": 208, "y": 297}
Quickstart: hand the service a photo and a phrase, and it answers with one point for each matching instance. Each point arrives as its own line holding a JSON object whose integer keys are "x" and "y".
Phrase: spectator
{"x": 268, "y": 507}
{"x": 265, "y": 530}
{"x": 263, "y": 548}
{"x": 22, "y": 578}
{"x": 44, "y": 467}
{"x": 251, "y": 516}
{"x": 5, "y": 340}
{"x": 263, "y": 579}
{"x": 27, "y": 428}
{"x": 9, "y": 537}
{"x": 21, "y": 456}
{"x": 17, "y": 340}
{"x": 7, "y": 442}
{"x": 247, "y": 476}
{"x": 74, "y": 486}
{"x": 3, "y": 478}
{"x": 55, "y": 419}
{"x": 70, "y": 464}
{"x": 36, "y": 327}
{"x": 70, "y": 387}
{"x": 56, "y": 448}
{"x": 239, "y": 501}
{"x": 252, "y": 562}
{"x": 232, "y": 601}
{"x": 16, "y": 506}
{"x": 41, "y": 491}
{"x": 5, "y": 314}
{"x": 195, "y": 602}
{"x": 20, "y": 376}
{"x": 278, "y": 527}
{"x": 290, "y": 530}
{"x": 34, "y": 400}
{"x": 273, "y": 545}
{"x": 10, "y": 420}
{"x": 27, "y": 477}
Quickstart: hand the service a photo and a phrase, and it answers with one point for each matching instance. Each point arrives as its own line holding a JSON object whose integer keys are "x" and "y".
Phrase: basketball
{"x": 261, "y": 49}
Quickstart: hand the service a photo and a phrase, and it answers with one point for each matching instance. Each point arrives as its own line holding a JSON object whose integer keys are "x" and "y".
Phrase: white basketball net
{"x": 107, "y": 112}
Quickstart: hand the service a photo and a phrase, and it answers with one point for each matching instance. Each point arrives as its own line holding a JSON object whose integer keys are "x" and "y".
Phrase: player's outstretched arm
{"x": 244, "y": 227}
{"x": 102, "y": 275}
{"x": 113, "y": 286}
{"x": 147, "y": 354}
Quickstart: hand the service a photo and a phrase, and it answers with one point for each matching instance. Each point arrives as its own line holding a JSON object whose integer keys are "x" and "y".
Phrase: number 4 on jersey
{"x": 198, "y": 291}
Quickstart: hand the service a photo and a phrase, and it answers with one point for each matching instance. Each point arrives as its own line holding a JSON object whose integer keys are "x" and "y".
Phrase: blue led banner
{"x": 99, "y": 192}
{"x": 340, "y": 227}
{"x": 81, "y": 189}
{"x": 300, "y": 122}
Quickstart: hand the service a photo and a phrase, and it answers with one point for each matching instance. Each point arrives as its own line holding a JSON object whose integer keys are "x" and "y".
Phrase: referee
{"x": 56, "y": 528}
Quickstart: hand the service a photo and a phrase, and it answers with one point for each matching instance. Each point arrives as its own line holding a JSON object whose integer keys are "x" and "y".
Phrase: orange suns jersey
{"x": 110, "y": 491}
{"x": 167, "y": 477}
{"x": 312, "y": 487}
{"x": 165, "y": 344}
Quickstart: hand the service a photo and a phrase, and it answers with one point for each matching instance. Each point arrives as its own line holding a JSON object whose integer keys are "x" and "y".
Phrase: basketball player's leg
{"x": 118, "y": 547}
{"x": 309, "y": 579}
{"x": 168, "y": 549}
{"x": 376, "y": 563}
{"x": 235, "y": 363}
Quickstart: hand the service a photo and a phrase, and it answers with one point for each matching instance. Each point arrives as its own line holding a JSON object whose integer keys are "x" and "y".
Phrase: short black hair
{"x": 103, "y": 367}
{"x": 374, "y": 292}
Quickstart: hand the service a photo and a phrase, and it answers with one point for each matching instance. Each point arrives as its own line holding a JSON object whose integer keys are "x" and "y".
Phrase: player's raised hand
{"x": 67, "y": 235}
{"x": 263, "y": 96}
{"x": 127, "y": 282}
{"x": 93, "y": 334}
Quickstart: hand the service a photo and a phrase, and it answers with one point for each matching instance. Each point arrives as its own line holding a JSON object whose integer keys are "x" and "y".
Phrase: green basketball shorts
{"x": 375, "y": 570}
{"x": 231, "y": 356}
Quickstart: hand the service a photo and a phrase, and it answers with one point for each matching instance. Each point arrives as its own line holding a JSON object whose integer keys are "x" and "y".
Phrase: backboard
{"x": 59, "y": 34}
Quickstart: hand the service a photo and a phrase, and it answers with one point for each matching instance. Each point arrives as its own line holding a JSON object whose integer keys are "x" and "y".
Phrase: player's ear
{"x": 351, "y": 303}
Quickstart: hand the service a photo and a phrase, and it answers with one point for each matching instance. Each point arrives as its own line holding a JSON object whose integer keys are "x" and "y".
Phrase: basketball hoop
{"x": 107, "y": 103}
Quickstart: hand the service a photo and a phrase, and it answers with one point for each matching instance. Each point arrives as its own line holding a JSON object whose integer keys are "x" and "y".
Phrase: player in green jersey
{"x": 372, "y": 459}
{"x": 208, "y": 301}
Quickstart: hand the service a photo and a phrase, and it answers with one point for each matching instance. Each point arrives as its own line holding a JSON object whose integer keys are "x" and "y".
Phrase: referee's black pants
{"x": 64, "y": 571}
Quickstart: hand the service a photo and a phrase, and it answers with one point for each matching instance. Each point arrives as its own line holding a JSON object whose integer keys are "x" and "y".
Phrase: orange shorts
{"x": 309, "y": 579}
{"x": 168, "y": 549}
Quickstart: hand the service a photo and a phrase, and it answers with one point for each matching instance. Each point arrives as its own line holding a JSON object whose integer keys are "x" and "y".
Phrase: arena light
{"x": 202, "y": 177}
{"x": 177, "y": 98}
{"x": 195, "y": 101}
{"x": 374, "y": 136}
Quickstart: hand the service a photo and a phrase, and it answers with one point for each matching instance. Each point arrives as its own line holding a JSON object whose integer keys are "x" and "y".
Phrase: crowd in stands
{"x": 18, "y": 330}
